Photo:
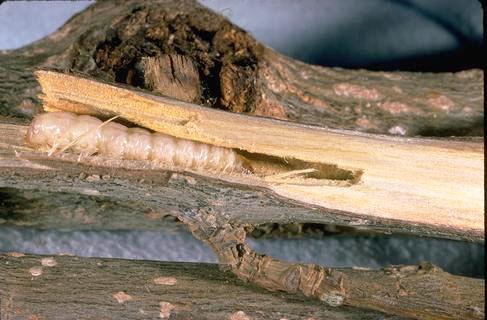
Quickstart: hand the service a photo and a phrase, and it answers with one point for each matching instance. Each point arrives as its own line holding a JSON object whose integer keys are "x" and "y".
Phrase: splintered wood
{"x": 292, "y": 173}
{"x": 434, "y": 183}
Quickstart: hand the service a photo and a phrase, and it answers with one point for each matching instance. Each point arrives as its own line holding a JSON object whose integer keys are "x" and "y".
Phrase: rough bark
{"x": 32, "y": 287}
{"x": 169, "y": 192}
{"x": 364, "y": 174}
{"x": 30, "y": 208}
{"x": 27, "y": 208}
{"x": 127, "y": 41}
{"x": 422, "y": 292}
{"x": 203, "y": 58}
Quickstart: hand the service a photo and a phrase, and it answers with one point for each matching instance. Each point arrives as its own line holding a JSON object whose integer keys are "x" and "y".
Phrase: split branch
{"x": 422, "y": 292}
{"x": 184, "y": 51}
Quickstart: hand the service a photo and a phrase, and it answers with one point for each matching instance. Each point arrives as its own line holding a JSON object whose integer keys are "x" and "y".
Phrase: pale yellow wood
{"x": 423, "y": 181}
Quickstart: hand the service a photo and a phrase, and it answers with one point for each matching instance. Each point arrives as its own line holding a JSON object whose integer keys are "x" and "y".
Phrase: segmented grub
{"x": 88, "y": 135}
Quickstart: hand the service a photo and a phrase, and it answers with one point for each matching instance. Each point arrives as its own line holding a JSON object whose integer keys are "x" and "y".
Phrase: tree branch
{"x": 64, "y": 287}
{"x": 222, "y": 66}
{"x": 421, "y": 292}
{"x": 184, "y": 51}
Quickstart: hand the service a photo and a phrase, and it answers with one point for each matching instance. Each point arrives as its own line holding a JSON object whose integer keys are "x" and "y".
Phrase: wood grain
{"x": 407, "y": 179}
{"x": 220, "y": 213}
{"x": 418, "y": 186}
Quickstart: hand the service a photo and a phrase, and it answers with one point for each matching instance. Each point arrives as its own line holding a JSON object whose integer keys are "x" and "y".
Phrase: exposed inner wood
{"x": 171, "y": 75}
{"x": 241, "y": 202}
{"x": 59, "y": 132}
{"x": 184, "y": 51}
{"x": 293, "y": 171}
{"x": 220, "y": 214}
{"x": 413, "y": 180}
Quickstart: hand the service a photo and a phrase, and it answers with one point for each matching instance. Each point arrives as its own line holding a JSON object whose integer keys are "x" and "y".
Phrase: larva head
{"x": 48, "y": 130}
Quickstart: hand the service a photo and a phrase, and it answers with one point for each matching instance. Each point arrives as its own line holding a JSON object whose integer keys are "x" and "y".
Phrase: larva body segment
{"x": 113, "y": 138}
{"x": 85, "y": 129}
{"x": 88, "y": 135}
{"x": 139, "y": 142}
{"x": 162, "y": 148}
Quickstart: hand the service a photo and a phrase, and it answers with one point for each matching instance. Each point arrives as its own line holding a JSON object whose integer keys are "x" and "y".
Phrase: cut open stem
{"x": 408, "y": 179}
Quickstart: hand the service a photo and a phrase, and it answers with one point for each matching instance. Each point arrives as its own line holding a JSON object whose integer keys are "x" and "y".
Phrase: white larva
{"x": 88, "y": 135}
